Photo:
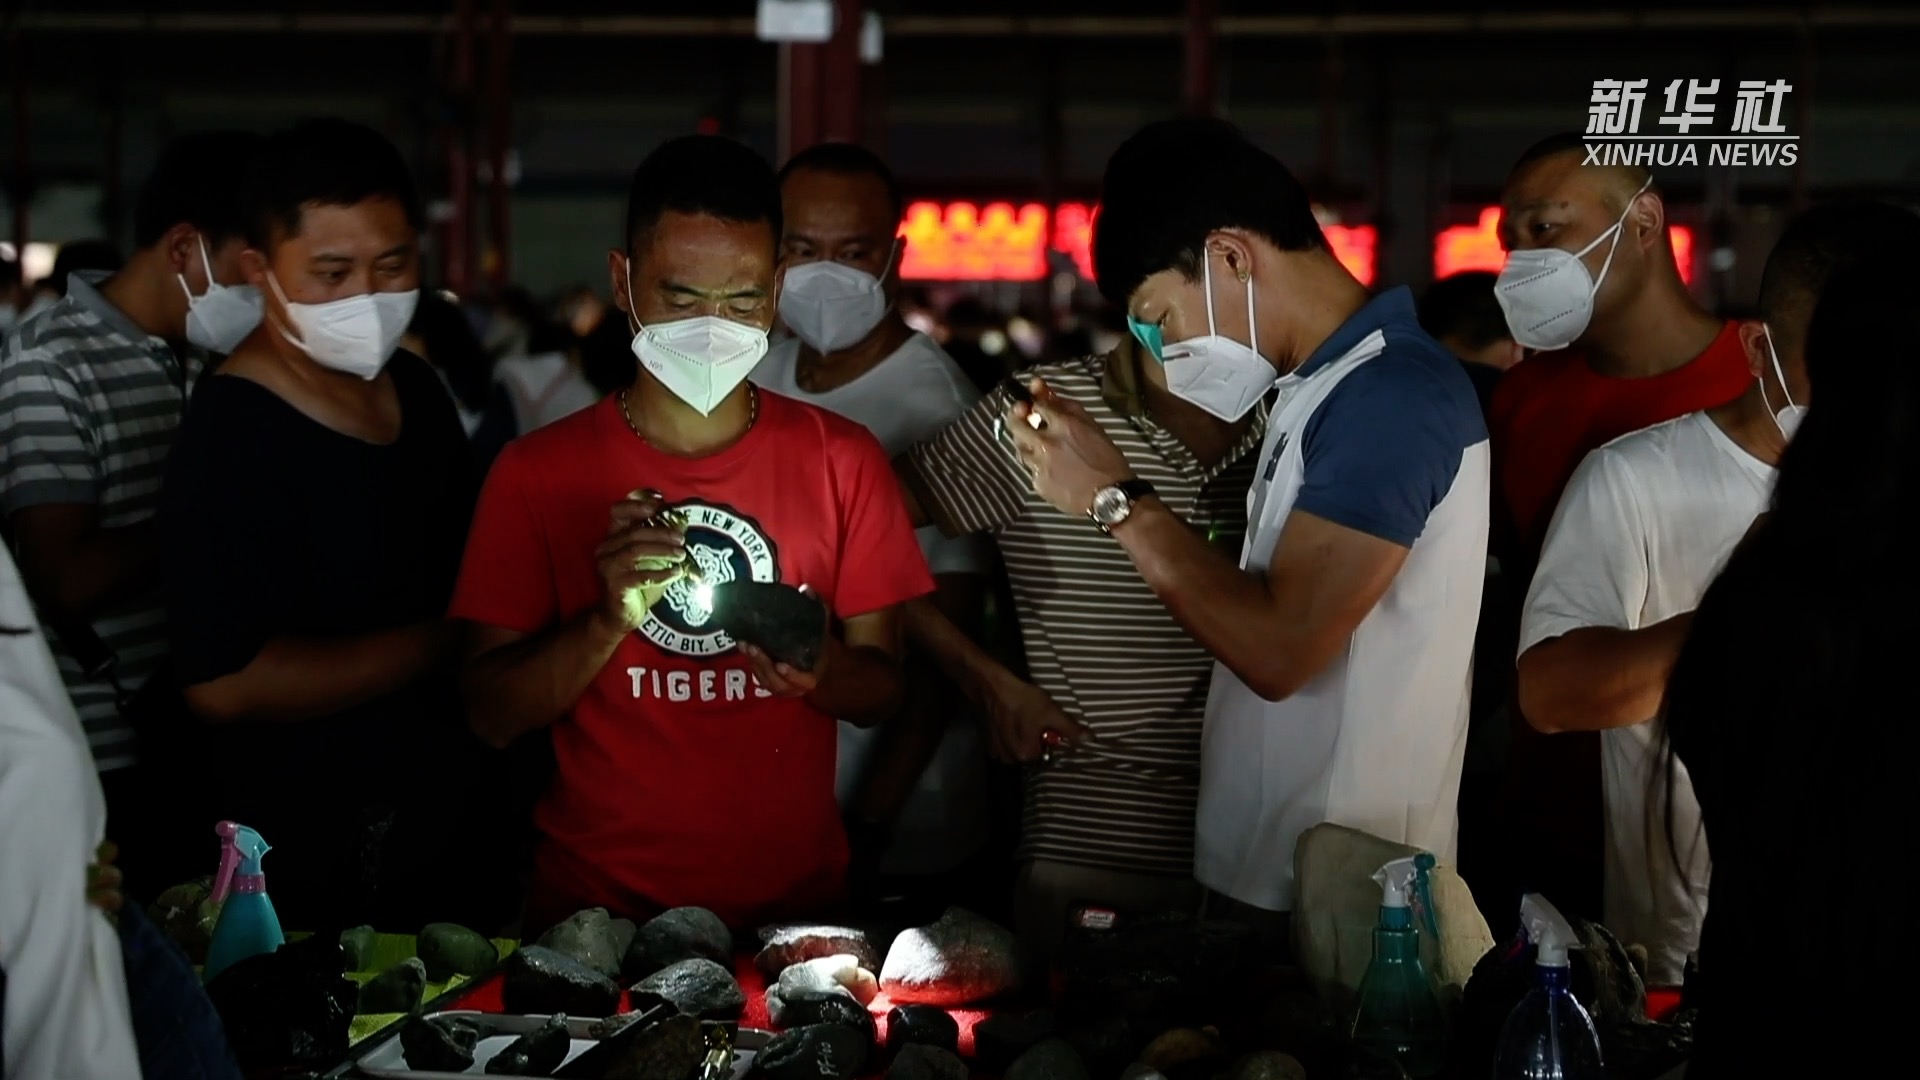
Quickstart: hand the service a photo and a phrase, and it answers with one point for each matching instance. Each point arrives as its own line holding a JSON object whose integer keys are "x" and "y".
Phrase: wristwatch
{"x": 1112, "y": 505}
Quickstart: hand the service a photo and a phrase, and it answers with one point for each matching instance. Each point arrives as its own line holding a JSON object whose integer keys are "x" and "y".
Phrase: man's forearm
{"x": 1226, "y": 609}
{"x": 301, "y": 679}
{"x": 906, "y": 745}
{"x": 1598, "y": 677}
{"x": 79, "y": 581}
{"x": 863, "y": 686}
{"x": 528, "y": 684}
{"x": 957, "y": 655}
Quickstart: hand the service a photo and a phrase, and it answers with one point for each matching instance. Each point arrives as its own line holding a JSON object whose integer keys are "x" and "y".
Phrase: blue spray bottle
{"x": 248, "y": 925}
{"x": 1548, "y": 1036}
{"x": 1399, "y": 1015}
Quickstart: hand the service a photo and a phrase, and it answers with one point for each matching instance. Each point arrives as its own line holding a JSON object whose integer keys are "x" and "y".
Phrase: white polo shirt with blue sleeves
{"x": 1379, "y": 431}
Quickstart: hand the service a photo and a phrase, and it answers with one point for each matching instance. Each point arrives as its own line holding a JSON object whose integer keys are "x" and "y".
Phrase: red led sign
{"x": 1477, "y": 247}
{"x": 1000, "y": 242}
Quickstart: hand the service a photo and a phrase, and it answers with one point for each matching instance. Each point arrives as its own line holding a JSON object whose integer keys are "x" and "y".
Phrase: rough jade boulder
{"x": 961, "y": 958}
{"x": 787, "y": 944}
{"x": 788, "y": 625}
{"x": 1337, "y": 906}
{"x": 539, "y": 981}
{"x": 589, "y": 937}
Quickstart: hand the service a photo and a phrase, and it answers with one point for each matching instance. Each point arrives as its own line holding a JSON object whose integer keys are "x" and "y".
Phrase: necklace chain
{"x": 753, "y": 411}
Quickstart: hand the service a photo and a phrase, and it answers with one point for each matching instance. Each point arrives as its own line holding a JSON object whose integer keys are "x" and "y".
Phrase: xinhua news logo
{"x": 1757, "y": 135}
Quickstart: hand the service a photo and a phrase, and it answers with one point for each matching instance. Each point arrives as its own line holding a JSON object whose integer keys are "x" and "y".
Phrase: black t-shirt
{"x": 274, "y": 526}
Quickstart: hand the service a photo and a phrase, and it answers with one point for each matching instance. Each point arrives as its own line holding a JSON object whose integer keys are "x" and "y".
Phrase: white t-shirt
{"x": 1645, "y": 524}
{"x": 543, "y": 389}
{"x": 1380, "y": 432}
{"x": 908, "y": 397}
{"x": 66, "y": 993}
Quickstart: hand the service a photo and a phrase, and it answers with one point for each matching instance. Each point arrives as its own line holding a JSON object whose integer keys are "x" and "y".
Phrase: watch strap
{"x": 1135, "y": 489}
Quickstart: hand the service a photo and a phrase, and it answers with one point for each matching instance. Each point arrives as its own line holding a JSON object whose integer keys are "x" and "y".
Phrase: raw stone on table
{"x": 699, "y": 988}
{"x": 959, "y": 959}
{"x": 289, "y": 1007}
{"x": 1054, "y": 1059}
{"x": 919, "y": 1061}
{"x": 788, "y": 625}
{"x": 682, "y": 933}
{"x": 399, "y": 989}
{"x": 669, "y": 1050}
{"x": 999, "y": 1040}
{"x": 1142, "y": 1071}
{"x": 449, "y": 949}
{"x": 820, "y": 1052}
{"x": 1106, "y": 1043}
{"x": 1268, "y": 1065}
{"x": 809, "y": 1007}
{"x": 438, "y": 1045}
{"x": 841, "y": 972}
{"x": 1182, "y": 1046}
{"x": 359, "y": 943}
{"x": 536, "y": 1053}
{"x": 539, "y": 980}
{"x": 922, "y": 1025}
{"x": 588, "y": 937}
{"x": 788, "y": 944}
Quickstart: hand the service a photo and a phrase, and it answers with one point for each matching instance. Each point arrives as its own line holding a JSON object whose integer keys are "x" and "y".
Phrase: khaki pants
{"x": 1048, "y": 890}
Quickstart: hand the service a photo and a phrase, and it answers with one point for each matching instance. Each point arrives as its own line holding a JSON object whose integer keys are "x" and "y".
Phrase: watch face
{"x": 1110, "y": 506}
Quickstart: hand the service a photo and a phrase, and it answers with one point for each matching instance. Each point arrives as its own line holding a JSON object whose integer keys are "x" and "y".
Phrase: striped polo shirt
{"x": 89, "y": 404}
{"x": 1097, "y": 640}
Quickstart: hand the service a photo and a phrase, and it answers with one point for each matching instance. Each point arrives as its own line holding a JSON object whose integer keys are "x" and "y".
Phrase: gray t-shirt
{"x": 89, "y": 405}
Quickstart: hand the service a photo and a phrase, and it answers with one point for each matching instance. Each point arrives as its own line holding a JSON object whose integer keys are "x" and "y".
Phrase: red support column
{"x": 1202, "y": 92}
{"x": 820, "y": 96}
{"x": 456, "y": 249}
{"x": 799, "y": 98}
{"x": 840, "y": 107}
{"x": 499, "y": 141}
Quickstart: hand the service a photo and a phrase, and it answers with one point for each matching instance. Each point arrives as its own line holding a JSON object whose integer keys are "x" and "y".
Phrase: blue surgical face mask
{"x": 1148, "y": 334}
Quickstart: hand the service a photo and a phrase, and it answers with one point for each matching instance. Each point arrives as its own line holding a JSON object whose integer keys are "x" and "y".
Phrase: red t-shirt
{"x": 1551, "y": 410}
{"x": 679, "y": 780}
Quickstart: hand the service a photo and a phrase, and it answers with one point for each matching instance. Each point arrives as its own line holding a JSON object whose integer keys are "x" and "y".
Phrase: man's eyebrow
{"x": 331, "y": 257}
{"x": 393, "y": 252}
{"x": 677, "y": 289}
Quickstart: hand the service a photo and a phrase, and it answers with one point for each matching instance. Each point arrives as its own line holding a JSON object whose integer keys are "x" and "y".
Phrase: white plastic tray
{"x": 388, "y": 1062}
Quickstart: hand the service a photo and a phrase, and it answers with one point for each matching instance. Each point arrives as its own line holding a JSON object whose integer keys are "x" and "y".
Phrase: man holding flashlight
{"x": 1343, "y": 633}
{"x": 600, "y": 543}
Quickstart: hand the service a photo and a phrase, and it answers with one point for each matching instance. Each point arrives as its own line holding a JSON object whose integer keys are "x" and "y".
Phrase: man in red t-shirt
{"x": 1592, "y": 285}
{"x": 690, "y": 769}
{"x": 1643, "y": 350}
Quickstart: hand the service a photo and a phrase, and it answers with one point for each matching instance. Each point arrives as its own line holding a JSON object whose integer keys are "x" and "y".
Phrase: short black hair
{"x": 327, "y": 162}
{"x": 847, "y": 159}
{"x": 1826, "y": 240}
{"x": 197, "y": 180}
{"x": 81, "y": 255}
{"x": 1463, "y": 306}
{"x": 701, "y": 174}
{"x": 1176, "y": 181}
{"x": 1572, "y": 142}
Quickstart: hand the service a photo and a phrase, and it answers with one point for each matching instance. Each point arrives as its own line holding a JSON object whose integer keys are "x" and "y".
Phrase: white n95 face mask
{"x": 700, "y": 359}
{"x": 831, "y": 305}
{"x": 219, "y": 319}
{"x": 1547, "y": 295}
{"x": 356, "y": 335}
{"x": 1788, "y": 418}
{"x": 1215, "y": 372}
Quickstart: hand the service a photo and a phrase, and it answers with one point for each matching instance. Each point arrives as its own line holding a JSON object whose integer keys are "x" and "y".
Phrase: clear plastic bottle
{"x": 1548, "y": 1036}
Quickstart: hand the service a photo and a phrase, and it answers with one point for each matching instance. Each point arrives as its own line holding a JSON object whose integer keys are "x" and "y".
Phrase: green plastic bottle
{"x": 1398, "y": 1015}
